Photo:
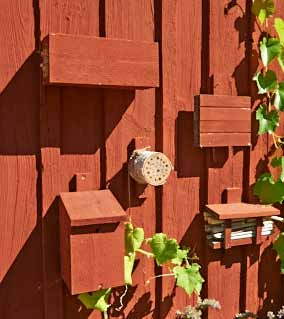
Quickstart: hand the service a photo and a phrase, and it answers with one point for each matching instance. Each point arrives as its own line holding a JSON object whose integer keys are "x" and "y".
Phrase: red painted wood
{"x": 227, "y": 234}
{"x": 21, "y": 292}
{"x": 107, "y": 62}
{"x": 230, "y": 126}
{"x": 90, "y": 130}
{"x": 233, "y": 195}
{"x": 224, "y": 139}
{"x": 89, "y": 253}
{"x": 84, "y": 182}
{"x": 241, "y": 210}
{"x": 92, "y": 207}
{"x": 130, "y": 114}
{"x": 222, "y": 120}
{"x": 181, "y": 82}
{"x": 224, "y": 114}
{"x": 17, "y": 199}
{"x": 240, "y": 242}
{"x": 71, "y": 138}
{"x": 228, "y": 73}
{"x": 208, "y": 100}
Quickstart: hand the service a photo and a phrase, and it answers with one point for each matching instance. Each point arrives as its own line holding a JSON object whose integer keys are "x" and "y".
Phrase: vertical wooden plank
{"x": 71, "y": 139}
{"x": 20, "y": 233}
{"x": 256, "y": 168}
{"x": 130, "y": 114}
{"x": 228, "y": 68}
{"x": 181, "y": 80}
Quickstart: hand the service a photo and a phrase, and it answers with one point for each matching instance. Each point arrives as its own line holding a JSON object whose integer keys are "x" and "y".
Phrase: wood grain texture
{"x": 233, "y": 195}
{"x": 20, "y": 233}
{"x": 241, "y": 210}
{"x": 217, "y": 123}
{"x": 90, "y": 130}
{"x": 181, "y": 78}
{"x": 224, "y": 139}
{"x": 224, "y": 114}
{"x": 71, "y": 138}
{"x": 92, "y": 207}
{"x": 228, "y": 72}
{"x": 208, "y": 100}
{"x": 107, "y": 62}
{"x": 230, "y": 126}
{"x": 126, "y": 119}
{"x": 89, "y": 253}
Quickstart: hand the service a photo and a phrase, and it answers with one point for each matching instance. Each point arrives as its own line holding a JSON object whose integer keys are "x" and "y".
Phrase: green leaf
{"x": 263, "y": 9}
{"x": 269, "y": 191}
{"x": 128, "y": 268}
{"x": 279, "y": 26}
{"x": 96, "y": 300}
{"x": 279, "y": 247}
{"x": 269, "y": 49}
{"x": 181, "y": 256}
{"x": 266, "y": 83}
{"x": 134, "y": 238}
{"x": 281, "y": 60}
{"x": 279, "y": 97}
{"x": 189, "y": 278}
{"x": 163, "y": 249}
{"x": 268, "y": 121}
{"x": 276, "y": 162}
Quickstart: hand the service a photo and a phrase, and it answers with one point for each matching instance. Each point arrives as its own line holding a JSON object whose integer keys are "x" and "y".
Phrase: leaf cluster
{"x": 271, "y": 48}
{"x": 165, "y": 251}
{"x": 267, "y": 188}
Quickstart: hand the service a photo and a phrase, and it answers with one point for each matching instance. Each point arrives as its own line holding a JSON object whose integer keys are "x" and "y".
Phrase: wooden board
{"x": 228, "y": 101}
{"x": 88, "y": 252}
{"x": 227, "y": 74}
{"x": 70, "y": 143}
{"x": 92, "y": 130}
{"x": 106, "y": 62}
{"x": 125, "y": 119}
{"x": 21, "y": 291}
{"x": 222, "y": 120}
{"x": 241, "y": 210}
{"x": 180, "y": 198}
{"x": 92, "y": 207}
{"x": 228, "y": 126}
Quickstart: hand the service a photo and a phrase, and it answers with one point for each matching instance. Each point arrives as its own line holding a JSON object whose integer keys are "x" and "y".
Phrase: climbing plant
{"x": 180, "y": 262}
{"x": 270, "y": 190}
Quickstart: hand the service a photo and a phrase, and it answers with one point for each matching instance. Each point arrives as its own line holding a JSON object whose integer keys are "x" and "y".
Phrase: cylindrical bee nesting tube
{"x": 147, "y": 167}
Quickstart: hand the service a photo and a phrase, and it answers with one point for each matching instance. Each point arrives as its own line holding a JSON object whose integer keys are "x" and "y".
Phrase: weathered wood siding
{"x": 48, "y": 134}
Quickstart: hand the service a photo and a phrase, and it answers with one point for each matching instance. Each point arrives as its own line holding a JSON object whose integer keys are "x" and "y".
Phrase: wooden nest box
{"x": 91, "y": 240}
{"x": 235, "y": 224}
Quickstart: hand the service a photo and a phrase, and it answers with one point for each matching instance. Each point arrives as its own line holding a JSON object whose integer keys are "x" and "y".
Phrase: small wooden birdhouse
{"x": 91, "y": 240}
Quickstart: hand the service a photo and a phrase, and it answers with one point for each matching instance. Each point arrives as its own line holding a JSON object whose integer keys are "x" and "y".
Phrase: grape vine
{"x": 181, "y": 264}
{"x": 270, "y": 190}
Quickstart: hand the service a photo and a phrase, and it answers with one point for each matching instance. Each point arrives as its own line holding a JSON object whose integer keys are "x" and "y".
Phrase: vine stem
{"x": 105, "y": 315}
{"x": 144, "y": 252}
{"x": 159, "y": 276}
{"x": 274, "y": 141}
{"x": 121, "y": 299}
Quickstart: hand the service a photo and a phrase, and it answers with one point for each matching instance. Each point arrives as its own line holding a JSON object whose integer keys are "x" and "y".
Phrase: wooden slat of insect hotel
{"x": 222, "y": 120}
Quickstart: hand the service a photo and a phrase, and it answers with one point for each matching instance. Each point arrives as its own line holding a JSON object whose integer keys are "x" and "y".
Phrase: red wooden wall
{"x": 49, "y": 133}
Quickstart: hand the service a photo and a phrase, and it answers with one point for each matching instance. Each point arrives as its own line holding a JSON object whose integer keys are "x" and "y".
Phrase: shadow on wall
{"x": 21, "y": 251}
{"x": 270, "y": 282}
{"x": 22, "y": 289}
